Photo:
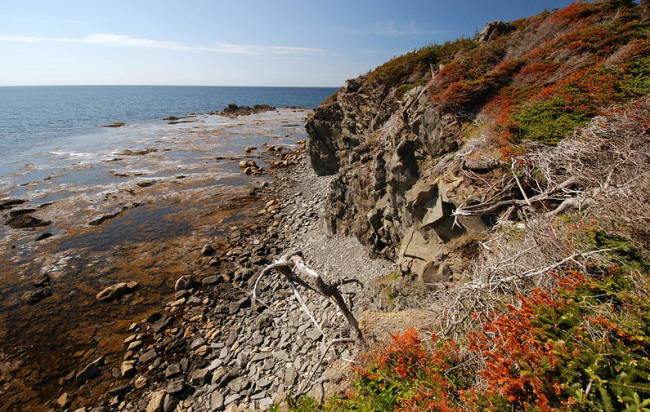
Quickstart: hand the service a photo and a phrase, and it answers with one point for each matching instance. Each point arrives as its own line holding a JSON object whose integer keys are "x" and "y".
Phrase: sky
{"x": 228, "y": 43}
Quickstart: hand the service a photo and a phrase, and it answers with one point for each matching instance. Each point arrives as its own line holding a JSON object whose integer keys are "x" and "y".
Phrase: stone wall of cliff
{"x": 399, "y": 175}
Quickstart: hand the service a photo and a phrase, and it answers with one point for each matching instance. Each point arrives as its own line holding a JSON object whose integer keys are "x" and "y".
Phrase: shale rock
{"x": 185, "y": 282}
{"x": 37, "y": 295}
{"x": 9, "y": 203}
{"x": 26, "y": 222}
{"x": 115, "y": 291}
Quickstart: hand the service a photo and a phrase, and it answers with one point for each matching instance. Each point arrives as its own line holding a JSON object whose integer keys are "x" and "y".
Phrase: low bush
{"x": 583, "y": 346}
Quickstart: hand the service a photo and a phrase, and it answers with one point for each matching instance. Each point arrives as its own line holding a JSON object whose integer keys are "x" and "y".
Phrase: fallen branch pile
{"x": 554, "y": 201}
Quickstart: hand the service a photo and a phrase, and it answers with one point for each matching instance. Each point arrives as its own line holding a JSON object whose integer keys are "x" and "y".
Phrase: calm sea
{"x": 36, "y": 123}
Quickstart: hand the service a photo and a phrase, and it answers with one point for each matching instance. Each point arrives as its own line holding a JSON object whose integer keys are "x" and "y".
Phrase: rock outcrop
{"x": 399, "y": 175}
{"x": 235, "y": 110}
{"x": 494, "y": 29}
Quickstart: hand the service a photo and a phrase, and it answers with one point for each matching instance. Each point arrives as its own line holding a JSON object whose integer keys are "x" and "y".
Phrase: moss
{"x": 403, "y": 89}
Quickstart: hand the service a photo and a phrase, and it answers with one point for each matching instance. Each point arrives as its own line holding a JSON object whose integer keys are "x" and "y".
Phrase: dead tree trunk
{"x": 293, "y": 267}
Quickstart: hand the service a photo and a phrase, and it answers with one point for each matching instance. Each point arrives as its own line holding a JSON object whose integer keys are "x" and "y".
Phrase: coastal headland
{"x": 499, "y": 182}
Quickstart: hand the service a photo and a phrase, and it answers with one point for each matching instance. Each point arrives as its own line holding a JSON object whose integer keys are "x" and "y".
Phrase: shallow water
{"x": 163, "y": 207}
{"x": 180, "y": 161}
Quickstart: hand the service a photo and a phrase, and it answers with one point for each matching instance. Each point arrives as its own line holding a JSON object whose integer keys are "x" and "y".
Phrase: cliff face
{"x": 398, "y": 171}
{"x": 424, "y": 134}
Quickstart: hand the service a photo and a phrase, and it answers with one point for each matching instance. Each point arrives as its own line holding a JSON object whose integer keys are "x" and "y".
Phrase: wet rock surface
{"x": 64, "y": 324}
{"x": 9, "y": 203}
{"x": 37, "y": 295}
{"x": 235, "y": 110}
{"x": 210, "y": 348}
{"x": 207, "y": 347}
{"x": 220, "y": 351}
{"x": 26, "y": 222}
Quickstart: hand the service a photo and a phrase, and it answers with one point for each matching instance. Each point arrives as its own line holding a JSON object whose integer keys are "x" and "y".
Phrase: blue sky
{"x": 229, "y": 43}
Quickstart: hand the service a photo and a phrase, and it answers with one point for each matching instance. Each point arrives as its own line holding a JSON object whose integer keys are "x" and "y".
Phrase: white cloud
{"x": 251, "y": 49}
{"x": 122, "y": 40}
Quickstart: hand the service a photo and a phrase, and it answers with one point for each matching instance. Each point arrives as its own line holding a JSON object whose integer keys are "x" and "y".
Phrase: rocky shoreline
{"x": 208, "y": 348}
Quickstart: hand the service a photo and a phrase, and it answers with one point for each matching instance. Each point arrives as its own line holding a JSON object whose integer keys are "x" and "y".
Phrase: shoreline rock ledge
{"x": 116, "y": 291}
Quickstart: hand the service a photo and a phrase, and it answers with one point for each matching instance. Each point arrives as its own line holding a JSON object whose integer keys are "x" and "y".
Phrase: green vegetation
{"x": 417, "y": 63}
{"x": 597, "y": 60}
{"x": 575, "y": 101}
{"x": 403, "y": 89}
{"x": 582, "y": 59}
{"x": 583, "y": 346}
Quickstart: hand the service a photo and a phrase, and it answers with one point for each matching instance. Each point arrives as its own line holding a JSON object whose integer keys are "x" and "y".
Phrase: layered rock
{"x": 399, "y": 175}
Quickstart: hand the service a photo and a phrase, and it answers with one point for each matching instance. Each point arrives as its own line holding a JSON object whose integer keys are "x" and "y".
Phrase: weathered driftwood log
{"x": 294, "y": 269}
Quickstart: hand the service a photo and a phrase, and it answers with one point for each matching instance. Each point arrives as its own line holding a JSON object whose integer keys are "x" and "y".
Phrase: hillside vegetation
{"x": 543, "y": 78}
{"x": 552, "y": 309}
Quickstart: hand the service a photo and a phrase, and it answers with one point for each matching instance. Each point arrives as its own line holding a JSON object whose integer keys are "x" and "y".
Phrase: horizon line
{"x": 161, "y": 85}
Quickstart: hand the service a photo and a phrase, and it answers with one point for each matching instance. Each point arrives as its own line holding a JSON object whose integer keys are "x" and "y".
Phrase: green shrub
{"x": 399, "y": 69}
{"x": 403, "y": 89}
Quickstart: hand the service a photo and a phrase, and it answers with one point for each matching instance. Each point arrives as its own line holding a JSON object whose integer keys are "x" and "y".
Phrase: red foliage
{"x": 532, "y": 357}
{"x": 515, "y": 353}
{"x": 574, "y": 12}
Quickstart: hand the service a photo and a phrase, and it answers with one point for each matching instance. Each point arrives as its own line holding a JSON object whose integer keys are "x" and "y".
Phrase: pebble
{"x": 127, "y": 368}
{"x": 184, "y": 282}
{"x": 120, "y": 390}
{"x": 176, "y": 387}
{"x": 37, "y": 295}
{"x": 200, "y": 376}
{"x": 148, "y": 356}
{"x": 210, "y": 280}
{"x": 169, "y": 403}
{"x": 231, "y": 398}
{"x": 208, "y": 250}
{"x": 140, "y": 382}
{"x": 64, "y": 400}
{"x": 216, "y": 401}
{"x": 203, "y": 351}
{"x": 156, "y": 401}
{"x": 172, "y": 371}
{"x": 89, "y": 372}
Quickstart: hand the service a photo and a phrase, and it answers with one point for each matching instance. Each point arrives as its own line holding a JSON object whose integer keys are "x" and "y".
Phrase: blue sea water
{"x": 37, "y": 121}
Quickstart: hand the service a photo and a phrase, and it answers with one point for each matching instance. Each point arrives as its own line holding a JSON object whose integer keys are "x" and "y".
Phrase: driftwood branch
{"x": 304, "y": 307}
{"x": 521, "y": 188}
{"x": 295, "y": 271}
{"x": 531, "y": 273}
{"x": 487, "y": 208}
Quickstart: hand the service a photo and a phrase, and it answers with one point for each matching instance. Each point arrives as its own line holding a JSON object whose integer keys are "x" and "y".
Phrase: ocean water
{"x": 56, "y": 152}
{"x": 42, "y": 126}
{"x": 57, "y": 155}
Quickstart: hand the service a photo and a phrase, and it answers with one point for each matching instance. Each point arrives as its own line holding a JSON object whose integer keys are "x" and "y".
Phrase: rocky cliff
{"x": 430, "y": 132}
{"x": 399, "y": 174}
